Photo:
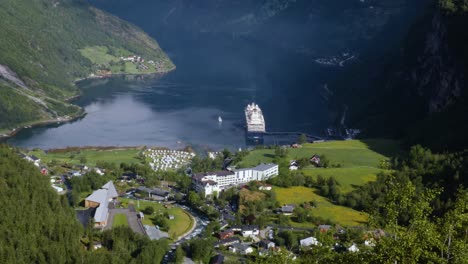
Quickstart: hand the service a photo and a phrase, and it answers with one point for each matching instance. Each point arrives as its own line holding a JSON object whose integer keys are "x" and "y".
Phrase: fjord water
{"x": 219, "y": 70}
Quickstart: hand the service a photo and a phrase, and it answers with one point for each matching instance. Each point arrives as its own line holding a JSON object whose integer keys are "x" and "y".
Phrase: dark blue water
{"x": 220, "y": 69}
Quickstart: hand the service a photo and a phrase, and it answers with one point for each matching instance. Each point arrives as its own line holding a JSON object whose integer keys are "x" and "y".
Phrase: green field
{"x": 358, "y": 160}
{"x": 338, "y": 214}
{"x": 120, "y": 220}
{"x": 99, "y": 55}
{"x": 347, "y": 177}
{"x": 91, "y": 155}
{"x": 181, "y": 223}
{"x": 349, "y": 153}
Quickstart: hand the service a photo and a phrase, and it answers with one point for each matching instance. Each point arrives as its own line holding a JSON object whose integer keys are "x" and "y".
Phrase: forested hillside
{"x": 38, "y": 226}
{"x": 42, "y": 46}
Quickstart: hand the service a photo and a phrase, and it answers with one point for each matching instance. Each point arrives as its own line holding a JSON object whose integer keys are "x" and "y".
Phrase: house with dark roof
{"x": 227, "y": 242}
{"x": 287, "y": 209}
{"x": 156, "y": 194}
{"x": 242, "y": 249}
{"x": 218, "y": 259}
{"x": 266, "y": 244}
{"x": 100, "y": 200}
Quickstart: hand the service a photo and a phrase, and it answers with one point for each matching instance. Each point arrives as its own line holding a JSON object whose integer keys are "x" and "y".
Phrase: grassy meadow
{"x": 325, "y": 209}
{"x": 181, "y": 223}
{"x": 355, "y": 162}
{"x": 91, "y": 155}
{"x": 100, "y": 55}
{"x": 120, "y": 220}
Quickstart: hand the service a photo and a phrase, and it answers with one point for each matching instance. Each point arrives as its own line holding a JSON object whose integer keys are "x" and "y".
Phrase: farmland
{"x": 325, "y": 209}
{"x": 352, "y": 162}
{"x": 90, "y": 155}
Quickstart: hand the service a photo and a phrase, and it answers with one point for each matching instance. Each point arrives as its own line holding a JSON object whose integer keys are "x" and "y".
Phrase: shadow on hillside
{"x": 387, "y": 147}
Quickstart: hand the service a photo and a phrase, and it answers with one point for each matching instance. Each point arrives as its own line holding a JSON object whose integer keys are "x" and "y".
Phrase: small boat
{"x": 220, "y": 119}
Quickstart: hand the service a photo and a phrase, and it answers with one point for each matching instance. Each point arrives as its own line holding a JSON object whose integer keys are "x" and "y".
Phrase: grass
{"x": 92, "y": 155}
{"x": 349, "y": 153}
{"x": 98, "y": 55}
{"x": 359, "y": 160}
{"x": 338, "y": 214}
{"x": 181, "y": 223}
{"x": 120, "y": 220}
{"x": 348, "y": 178}
{"x": 249, "y": 196}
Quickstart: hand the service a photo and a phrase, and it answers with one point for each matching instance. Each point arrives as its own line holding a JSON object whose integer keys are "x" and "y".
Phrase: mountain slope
{"x": 41, "y": 55}
{"x": 37, "y": 226}
{"x": 420, "y": 93}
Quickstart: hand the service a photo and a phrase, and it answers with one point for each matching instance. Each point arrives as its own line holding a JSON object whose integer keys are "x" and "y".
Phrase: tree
{"x": 194, "y": 199}
{"x": 455, "y": 241}
{"x": 226, "y": 153}
{"x": 199, "y": 251}
{"x": 149, "y": 210}
{"x": 324, "y": 162}
{"x": 302, "y": 139}
{"x": 83, "y": 160}
{"x": 179, "y": 255}
{"x": 280, "y": 152}
{"x": 283, "y": 220}
{"x": 404, "y": 214}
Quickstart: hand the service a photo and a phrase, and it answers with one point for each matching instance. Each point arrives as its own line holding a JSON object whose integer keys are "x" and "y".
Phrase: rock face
{"x": 420, "y": 92}
{"x": 293, "y": 25}
{"x": 439, "y": 78}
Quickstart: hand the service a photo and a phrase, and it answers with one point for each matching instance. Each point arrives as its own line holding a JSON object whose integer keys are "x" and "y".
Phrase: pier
{"x": 309, "y": 136}
{"x": 282, "y": 138}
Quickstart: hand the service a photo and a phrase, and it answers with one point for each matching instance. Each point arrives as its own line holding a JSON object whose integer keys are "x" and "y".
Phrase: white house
{"x": 99, "y": 171}
{"x": 306, "y": 242}
{"x": 58, "y": 189}
{"x": 353, "y": 248}
{"x": 248, "y": 231}
{"x": 293, "y": 165}
{"x": 369, "y": 243}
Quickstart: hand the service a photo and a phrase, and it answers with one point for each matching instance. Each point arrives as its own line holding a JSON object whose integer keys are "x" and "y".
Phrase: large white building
{"x": 211, "y": 182}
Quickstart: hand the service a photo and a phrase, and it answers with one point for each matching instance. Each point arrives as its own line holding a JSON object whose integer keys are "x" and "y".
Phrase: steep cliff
{"x": 421, "y": 93}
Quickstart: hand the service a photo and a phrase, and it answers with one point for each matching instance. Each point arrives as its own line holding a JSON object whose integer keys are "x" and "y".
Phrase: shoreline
{"x": 11, "y": 133}
{"x": 112, "y": 75}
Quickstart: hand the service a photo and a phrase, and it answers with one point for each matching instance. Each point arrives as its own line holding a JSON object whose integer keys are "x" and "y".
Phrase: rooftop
{"x": 103, "y": 196}
{"x": 264, "y": 167}
{"x": 199, "y": 176}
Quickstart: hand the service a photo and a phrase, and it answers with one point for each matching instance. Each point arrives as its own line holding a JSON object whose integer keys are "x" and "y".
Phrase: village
{"x": 239, "y": 204}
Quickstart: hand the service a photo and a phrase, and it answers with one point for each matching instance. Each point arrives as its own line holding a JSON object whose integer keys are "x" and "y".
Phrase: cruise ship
{"x": 255, "y": 121}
